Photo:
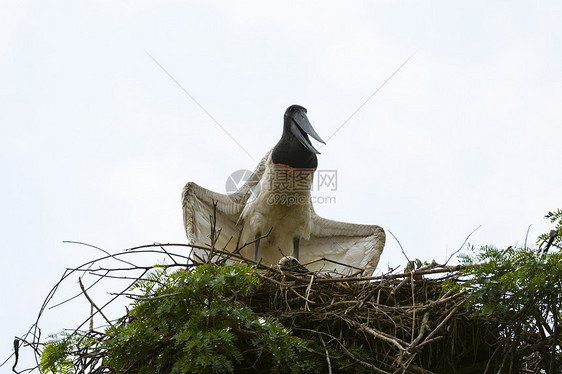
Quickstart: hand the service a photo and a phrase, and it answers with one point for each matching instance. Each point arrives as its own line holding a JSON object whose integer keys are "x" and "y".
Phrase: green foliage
{"x": 515, "y": 279}
{"x": 55, "y": 355}
{"x": 520, "y": 289}
{"x": 414, "y": 264}
{"x": 556, "y": 218}
{"x": 189, "y": 321}
{"x": 505, "y": 280}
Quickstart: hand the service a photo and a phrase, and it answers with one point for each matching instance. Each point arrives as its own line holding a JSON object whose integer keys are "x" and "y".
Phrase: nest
{"x": 406, "y": 322}
{"x": 393, "y": 323}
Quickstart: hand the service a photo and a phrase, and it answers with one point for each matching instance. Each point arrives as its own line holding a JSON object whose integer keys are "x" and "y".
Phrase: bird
{"x": 273, "y": 210}
{"x": 291, "y": 264}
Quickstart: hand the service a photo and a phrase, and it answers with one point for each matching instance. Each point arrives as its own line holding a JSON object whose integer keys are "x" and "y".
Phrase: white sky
{"x": 98, "y": 141}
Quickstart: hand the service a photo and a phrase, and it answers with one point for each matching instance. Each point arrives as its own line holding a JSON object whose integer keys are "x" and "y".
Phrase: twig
{"x": 444, "y": 269}
{"x": 327, "y": 353}
{"x": 77, "y": 295}
{"x": 92, "y": 303}
{"x": 414, "y": 309}
{"x": 16, "y": 353}
{"x": 424, "y": 326}
{"x": 451, "y": 313}
{"x": 91, "y": 317}
{"x": 400, "y": 245}
{"x": 463, "y": 243}
{"x": 333, "y": 262}
{"x": 98, "y": 248}
{"x": 378, "y": 334}
{"x": 552, "y": 235}
{"x": 158, "y": 297}
{"x": 307, "y": 294}
{"x": 237, "y": 250}
{"x": 526, "y": 236}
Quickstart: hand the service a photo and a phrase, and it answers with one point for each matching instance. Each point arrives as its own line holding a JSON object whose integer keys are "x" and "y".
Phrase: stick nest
{"x": 411, "y": 322}
{"x": 407, "y": 323}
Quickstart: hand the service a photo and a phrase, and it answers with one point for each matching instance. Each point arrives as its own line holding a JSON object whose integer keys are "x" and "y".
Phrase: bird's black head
{"x": 294, "y": 148}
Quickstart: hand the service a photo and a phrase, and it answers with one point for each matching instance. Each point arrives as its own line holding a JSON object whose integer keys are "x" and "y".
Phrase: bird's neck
{"x": 290, "y": 152}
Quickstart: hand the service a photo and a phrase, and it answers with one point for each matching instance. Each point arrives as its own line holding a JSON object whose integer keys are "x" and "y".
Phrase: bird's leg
{"x": 296, "y": 248}
{"x": 256, "y": 246}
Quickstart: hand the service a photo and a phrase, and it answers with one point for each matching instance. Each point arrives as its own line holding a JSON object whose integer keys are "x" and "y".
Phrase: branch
{"x": 327, "y": 354}
{"x": 398, "y": 343}
{"x": 92, "y": 302}
{"x": 400, "y": 245}
{"x": 463, "y": 243}
{"x": 553, "y": 234}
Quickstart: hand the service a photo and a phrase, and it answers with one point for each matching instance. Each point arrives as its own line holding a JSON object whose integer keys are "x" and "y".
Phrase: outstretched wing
{"x": 359, "y": 246}
{"x": 198, "y": 210}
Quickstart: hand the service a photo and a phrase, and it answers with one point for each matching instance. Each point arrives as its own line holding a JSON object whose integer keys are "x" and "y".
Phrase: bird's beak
{"x": 301, "y": 124}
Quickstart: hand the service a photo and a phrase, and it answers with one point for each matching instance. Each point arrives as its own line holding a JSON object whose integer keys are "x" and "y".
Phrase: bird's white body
{"x": 281, "y": 205}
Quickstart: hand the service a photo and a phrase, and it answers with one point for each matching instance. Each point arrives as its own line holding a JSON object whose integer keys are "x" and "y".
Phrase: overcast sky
{"x": 98, "y": 140}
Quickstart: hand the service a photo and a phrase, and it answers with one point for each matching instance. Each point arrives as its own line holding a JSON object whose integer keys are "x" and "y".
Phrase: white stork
{"x": 275, "y": 202}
